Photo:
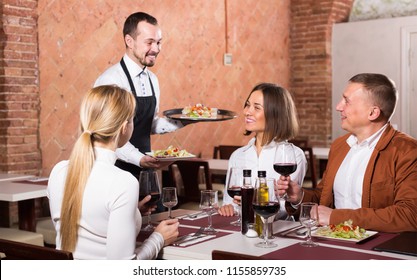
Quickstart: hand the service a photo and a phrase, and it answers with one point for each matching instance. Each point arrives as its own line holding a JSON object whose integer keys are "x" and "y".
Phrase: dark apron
{"x": 141, "y": 137}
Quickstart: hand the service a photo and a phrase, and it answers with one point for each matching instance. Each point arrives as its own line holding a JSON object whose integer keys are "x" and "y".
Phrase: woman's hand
{"x": 169, "y": 230}
{"x": 227, "y": 210}
{"x": 286, "y": 186}
{"x": 144, "y": 208}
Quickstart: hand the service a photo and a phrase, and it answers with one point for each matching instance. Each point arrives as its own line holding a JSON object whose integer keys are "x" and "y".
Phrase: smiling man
{"x": 143, "y": 40}
{"x": 371, "y": 175}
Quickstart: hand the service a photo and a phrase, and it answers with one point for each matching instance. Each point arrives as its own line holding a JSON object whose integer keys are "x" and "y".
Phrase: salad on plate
{"x": 171, "y": 152}
{"x": 199, "y": 111}
{"x": 345, "y": 230}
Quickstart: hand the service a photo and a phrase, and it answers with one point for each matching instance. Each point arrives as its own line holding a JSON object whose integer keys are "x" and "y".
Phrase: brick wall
{"x": 76, "y": 44}
{"x": 19, "y": 88}
{"x": 19, "y": 95}
{"x": 311, "y": 71}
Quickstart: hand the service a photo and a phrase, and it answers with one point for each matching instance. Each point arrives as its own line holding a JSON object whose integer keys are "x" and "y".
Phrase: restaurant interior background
{"x": 52, "y": 52}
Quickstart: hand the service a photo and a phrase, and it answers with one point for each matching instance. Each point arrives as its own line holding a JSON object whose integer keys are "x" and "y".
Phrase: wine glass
{"x": 149, "y": 185}
{"x": 309, "y": 218}
{"x": 209, "y": 203}
{"x": 234, "y": 186}
{"x": 265, "y": 208}
{"x": 285, "y": 164}
{"x": 169, "y": 199}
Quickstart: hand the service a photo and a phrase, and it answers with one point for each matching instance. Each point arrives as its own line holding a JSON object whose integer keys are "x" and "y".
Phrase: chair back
{"x": 308, "y": 151}
{"x": 300, "y": 142}
{"x": 311, "y": 172}
{"x": 23, "y": 251}
{"x": 190, "y": 175}
{"x": 224, "y": 151}
{"x": 226, "y": 255}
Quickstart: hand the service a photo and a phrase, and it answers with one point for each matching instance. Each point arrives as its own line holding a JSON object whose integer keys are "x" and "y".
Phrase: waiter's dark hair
{"x": 131, "y": 23}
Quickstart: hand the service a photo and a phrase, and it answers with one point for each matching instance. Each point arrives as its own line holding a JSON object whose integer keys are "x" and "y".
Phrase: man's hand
{"x": 149, "y": 162}
{"x": 154, "y": 163}
{"x": 324, "y": 215}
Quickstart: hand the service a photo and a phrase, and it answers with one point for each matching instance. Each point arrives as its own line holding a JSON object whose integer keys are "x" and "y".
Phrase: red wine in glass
{"x": 155, "y": 197}
{"x": 285, "y": 169}
{"x": 266, "y": 209}
{"x": 234, "y": 190}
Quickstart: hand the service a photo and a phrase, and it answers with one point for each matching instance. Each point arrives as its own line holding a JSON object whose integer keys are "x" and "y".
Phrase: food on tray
{"x": 345, "y": 230}
{"x": 199, "y": 111}
{"x": 171, "y": 151}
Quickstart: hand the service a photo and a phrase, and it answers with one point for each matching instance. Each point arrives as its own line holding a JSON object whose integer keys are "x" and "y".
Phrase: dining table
{"x": 24, "y": 191}
{"x": 230, "y": 239}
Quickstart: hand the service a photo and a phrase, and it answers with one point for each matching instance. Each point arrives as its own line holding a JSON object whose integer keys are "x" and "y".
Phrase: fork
{"x": 187, "y": 237}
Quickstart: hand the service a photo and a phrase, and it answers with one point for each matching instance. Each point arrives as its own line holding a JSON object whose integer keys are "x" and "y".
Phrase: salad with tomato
{"x": 199, "y": 111}
{"x": 344, "y": 230}
{"x": 171, "y": 151}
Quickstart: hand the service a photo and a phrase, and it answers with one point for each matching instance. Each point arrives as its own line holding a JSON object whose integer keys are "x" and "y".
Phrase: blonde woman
{"x": 94, "y": 204}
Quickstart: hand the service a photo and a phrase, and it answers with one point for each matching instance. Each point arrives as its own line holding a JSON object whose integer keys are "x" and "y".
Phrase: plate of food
{"x": 345, "y": 231}
{"x": 172, "y": 153}
{"x": 199, "y": 113}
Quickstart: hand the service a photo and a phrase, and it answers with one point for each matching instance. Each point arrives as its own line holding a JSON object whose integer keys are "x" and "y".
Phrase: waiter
{"x": 143, "y": 38}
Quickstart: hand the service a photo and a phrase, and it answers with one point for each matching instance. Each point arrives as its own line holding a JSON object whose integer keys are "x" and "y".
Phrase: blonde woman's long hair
{"x": 103, "y": 112}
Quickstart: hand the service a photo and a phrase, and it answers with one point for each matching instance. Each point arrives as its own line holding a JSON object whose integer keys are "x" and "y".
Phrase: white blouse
{"x": 110, "y": 219}
{"x": 247, "y": 158}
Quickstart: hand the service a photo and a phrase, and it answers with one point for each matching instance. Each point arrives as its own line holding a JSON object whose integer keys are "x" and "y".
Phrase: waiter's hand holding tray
{"x": 171, "y": 154}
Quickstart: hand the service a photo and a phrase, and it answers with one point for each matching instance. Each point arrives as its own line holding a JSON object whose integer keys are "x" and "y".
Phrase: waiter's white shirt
{"x": 115, "y": 76}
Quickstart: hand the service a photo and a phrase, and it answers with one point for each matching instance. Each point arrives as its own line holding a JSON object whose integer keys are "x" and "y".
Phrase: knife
{"x": 188, "y": 239}
{"x": 287, "y": 231}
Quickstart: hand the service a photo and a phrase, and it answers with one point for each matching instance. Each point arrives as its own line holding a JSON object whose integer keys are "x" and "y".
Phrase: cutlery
{"x": 193, "y": 215}
{"x": 287, "y": 231}
{"x": 187, "y": 237}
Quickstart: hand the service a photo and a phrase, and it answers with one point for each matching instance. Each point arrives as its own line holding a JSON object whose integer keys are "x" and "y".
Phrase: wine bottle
{"x": 263, "y": 196}
{"x": 247, "y": 192}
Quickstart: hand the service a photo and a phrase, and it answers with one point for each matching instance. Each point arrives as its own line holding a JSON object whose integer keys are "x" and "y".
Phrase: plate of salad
{"x": 199, "y": 113}
{"x": 171, "y": 153}
{"x": 345, "y": 231}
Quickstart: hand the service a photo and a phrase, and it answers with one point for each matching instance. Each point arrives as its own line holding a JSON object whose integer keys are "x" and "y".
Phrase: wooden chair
{"x": 225, "y": 255}
{"x": 190, "y": 175}
{"x": 23, "y": 251}
{"x": 224, "y": 151}
{"x": 46, "y": 227}
{"x": 311, "y": 172}
{"x": 300, "y": 142}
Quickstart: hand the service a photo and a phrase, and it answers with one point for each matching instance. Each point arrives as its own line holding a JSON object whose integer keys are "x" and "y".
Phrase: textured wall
{"x": 80, "y": 39}
{"x": 375, "y": 9}
{"x": 19, "y": 92}
{"x": 311, "y": 64}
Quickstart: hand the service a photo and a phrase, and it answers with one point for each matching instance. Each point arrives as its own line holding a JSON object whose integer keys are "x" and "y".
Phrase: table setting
{"x": 202, "y": 231}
